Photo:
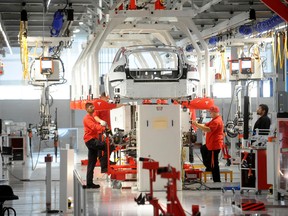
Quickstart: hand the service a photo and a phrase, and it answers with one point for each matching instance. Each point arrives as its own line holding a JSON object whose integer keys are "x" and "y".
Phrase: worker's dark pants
{"x": 207, "y": 157}
{"x": 94, "y": 146}
{"x": 104, "y": 158}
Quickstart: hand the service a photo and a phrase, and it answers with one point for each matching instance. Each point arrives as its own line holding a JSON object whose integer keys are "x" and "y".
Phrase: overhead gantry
{"x": 119, "y": 24}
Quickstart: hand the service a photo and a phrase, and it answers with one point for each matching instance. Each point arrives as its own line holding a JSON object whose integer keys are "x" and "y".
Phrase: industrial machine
{"x": 254, "y": 170}
{"x": 46, "y": 71}
{"x": 282, "y": 176}
{"x": 158, "y": 128}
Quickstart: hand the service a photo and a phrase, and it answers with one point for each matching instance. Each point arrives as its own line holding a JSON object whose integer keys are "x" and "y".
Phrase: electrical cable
{"x": 16, "y": 177}
{"x": 65, "y": 5}
{"x": 198, "y": 157}
{"x": 230, "y": 126}
{"x": 24, "y": 180}
{"x": 232, "y": 99}
{"x": 187, "y": 213}
{"x": 196, "y": 182}
{"x": 30, "y": 142}
{"x": 24, "y": 48}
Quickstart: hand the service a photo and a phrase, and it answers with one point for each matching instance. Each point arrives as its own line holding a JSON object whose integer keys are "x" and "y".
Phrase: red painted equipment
{"x": 197, "y": 103}
{"x": 159, "y": 5}
{"x": 1, "y": 68}
{"x": 173, "y": 204}
{"x": 98, "y": 104}
{"x": 161, "y": 101}
{"x": 132, "y": 5}
{"x": 278, "y": 7}
{"x": 225, "y": 152}
{"x": 244, "y": 159}
{"x": 118, "y": 172}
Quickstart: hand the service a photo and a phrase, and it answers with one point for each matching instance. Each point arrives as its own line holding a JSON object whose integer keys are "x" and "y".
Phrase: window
{"x": 106, "y": 57}
{"x": 221, "y": 90}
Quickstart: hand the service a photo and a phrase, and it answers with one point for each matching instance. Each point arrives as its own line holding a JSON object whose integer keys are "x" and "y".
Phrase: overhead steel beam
{"x": 152, "y": 14}
{"x": 143, "y": 27}
{"x": 221, "y": 27}
{"x": 3, "y": 32}
{"x": 207, "y": 6}
{"x": 238, "y": 41}
{"x": 46, "y": 41}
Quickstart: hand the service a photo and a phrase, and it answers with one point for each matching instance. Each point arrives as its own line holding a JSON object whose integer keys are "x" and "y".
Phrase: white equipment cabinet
{"x": 121, "y": 118}
{"x": 159, "y": 138}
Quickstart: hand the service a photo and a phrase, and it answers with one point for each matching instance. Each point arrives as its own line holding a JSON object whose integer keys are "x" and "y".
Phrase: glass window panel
{"x": 266, "y": 88}
{"x": 221, "y": 90}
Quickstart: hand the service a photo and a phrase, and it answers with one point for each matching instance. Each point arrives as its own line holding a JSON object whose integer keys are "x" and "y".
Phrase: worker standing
{"x": 214, "y": 142}
{"x": 103, "y": 117}
{"x": 263, "y": 122}
{"x": 92, "y": 129}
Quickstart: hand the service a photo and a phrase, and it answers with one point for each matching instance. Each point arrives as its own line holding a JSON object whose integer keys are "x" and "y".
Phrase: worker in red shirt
{"x": 92, "y": 131}
{"x": 214, "y": 142}
{"x": 103, "y": 116}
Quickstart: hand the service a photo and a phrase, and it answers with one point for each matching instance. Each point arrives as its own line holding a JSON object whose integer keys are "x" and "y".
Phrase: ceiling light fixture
{"x": 48, "y": 3}
{"x": 5, "y": 38}
{"x": 76, "y": 31}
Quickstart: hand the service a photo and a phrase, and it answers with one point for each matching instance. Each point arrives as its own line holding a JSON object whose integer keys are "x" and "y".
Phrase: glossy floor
{"x": 30, "y": 186}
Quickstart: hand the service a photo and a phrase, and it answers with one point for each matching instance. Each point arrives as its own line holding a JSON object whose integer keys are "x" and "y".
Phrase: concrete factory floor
{"x": 30, "y": 186}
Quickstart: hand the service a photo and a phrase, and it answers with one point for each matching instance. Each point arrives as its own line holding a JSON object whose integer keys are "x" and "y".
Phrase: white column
{"x": 48, "y": 161}
{"x": 66, "y": 177}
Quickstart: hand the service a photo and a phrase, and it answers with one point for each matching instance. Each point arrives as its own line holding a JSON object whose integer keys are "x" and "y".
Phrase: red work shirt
{"x": 105, "y": 113}
{"x": 92, "y": 128}
{"x": 214, "y": 138}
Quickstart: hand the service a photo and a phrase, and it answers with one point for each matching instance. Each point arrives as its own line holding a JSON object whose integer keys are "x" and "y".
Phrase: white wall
{"x": 28, "y": 111}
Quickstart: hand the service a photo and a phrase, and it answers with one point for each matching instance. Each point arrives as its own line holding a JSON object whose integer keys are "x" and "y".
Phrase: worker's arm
{"x": 203, "y": 127}
{"x": 102, "y": 122}
{"x": 89, "y": 123}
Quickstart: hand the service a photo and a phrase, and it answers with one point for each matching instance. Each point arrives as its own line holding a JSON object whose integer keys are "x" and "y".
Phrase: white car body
{"x": 151, "y": 72}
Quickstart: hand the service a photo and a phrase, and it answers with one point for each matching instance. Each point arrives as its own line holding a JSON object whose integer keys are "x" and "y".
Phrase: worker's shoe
{"x": 104, "y": 170}
{"x": 92, "y": 186}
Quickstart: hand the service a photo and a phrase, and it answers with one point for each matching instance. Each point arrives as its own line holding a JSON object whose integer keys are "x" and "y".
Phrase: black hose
{"x": 246, "y": 117}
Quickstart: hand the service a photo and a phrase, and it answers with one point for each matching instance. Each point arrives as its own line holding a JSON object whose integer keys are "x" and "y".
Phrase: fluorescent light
{"x": 81, "y": 23}
{"x": 6, "y": 40}
{"x": 281, "y": 27}
{"x": 48, "y": 3}
{"x": 76, "y": 31}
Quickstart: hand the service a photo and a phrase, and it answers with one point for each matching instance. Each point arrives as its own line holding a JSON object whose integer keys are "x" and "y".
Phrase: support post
{"x": 66, "y": 177}
{"x": 48, "y": 161}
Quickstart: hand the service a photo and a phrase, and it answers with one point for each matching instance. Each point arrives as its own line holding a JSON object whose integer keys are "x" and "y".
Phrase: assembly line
{"x": 144, "y": 108}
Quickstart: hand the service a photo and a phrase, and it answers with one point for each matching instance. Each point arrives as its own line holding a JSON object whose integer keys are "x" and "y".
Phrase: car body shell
{"x": 151, "y": 72}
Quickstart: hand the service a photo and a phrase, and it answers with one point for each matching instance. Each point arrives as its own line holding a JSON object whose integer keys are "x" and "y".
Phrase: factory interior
{"x": 182, "y": 106}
